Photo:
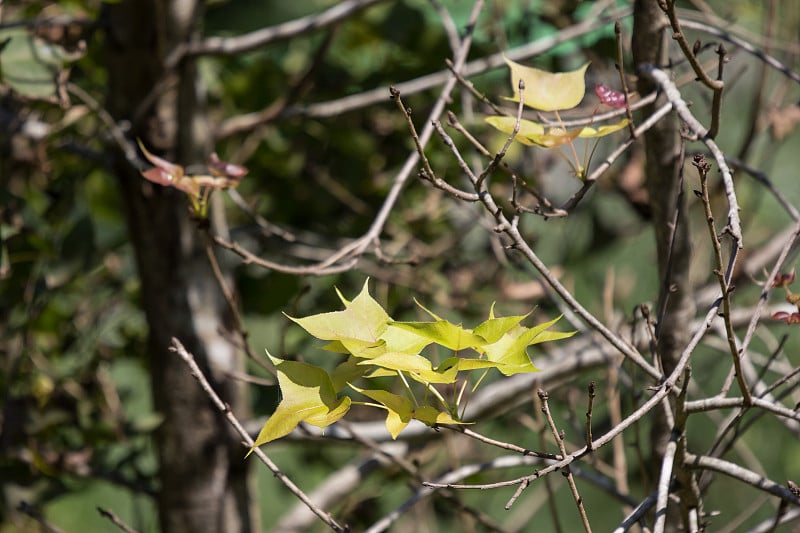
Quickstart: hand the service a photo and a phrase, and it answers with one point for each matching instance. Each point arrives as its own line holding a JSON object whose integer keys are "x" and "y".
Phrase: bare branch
{"x": 188, "y": 358}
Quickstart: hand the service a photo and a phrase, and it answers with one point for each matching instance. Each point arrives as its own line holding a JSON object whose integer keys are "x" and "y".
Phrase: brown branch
{"x": 622, "y": 81}
{"x": 281, "y": 32}
{"x": 544, "y": 397}
{"x": 715, "y": 85}
{"x": 758, "y": 481}
{"x": 248, "y": 441}
{"x": 107, "y": 513}
{"x": 674, "y": 96}
{"x": 703, "y": 168}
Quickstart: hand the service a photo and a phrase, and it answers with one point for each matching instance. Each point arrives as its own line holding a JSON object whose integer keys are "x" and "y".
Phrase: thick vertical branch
{"x": 663, "y": 152}
{"x": 202, "y": 474}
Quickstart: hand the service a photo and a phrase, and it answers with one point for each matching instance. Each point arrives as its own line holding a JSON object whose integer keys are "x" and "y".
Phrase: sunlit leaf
{"x": 431, "y": 417}
{"x": 362, "y": 320}
{"x": 445, "y": 333}
{"x": 548, "y": 91}
{"x": 416, "y": 366}
{"x": 399, "y": 339}
{"x": 347, "y": 372}
{"x": 527, "y": 128}
{"x": 494, "y": 328}
{"x": 511, "y": 350}
{"x": 399, "y": 409}
{"x": 603, "y": 130}
{"x": 532, "y": 133}
{"x": 307, "y": 396}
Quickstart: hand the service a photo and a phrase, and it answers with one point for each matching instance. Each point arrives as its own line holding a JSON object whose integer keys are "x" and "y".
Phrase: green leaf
{"x": 347, "y": 372}
{"x": 307, "y": 396}
{"x": 416, "y": 366}
{"x": 30, "y": 65}
{"x": 527, "y": 128}
{"x": 442, "y": 332}
{"x": 494, "y": 328}
{"x": 399, "y": 409}
{"x": 431, "y": 417}
{"x": 361, "y": 323}
{"x": 511, "y": 350}
{"x": 603, "y": 130}
{"x": 399, "y": 339}
{"x": 531, "y": 133}
{"x": 548, "y": 91}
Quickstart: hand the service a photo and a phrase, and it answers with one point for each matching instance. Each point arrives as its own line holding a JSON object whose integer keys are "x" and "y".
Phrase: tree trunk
{"x": 203, "y": 476}
{"x": 663, "y": 173}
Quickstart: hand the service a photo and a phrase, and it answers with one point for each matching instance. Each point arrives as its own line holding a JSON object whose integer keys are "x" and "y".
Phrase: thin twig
{"x": 674, "y": 96}
{"x": 544, "y": 397}
{"x": 503, "y": 445}
{"x": 756, "y": 480}
{"x": 622, "y": 81}
{"x": 590, "y": 180}
{"x": 28, "y": 509}
{"x": 715, "y": 85}
{"x": 588, "y": 434}
{"x": 663, "y": 486}
{"x": 224, "y": 408}
{"x": 107, "y": 513}
{"x": 498, "y": 157}
{"x": 703, "y": 167}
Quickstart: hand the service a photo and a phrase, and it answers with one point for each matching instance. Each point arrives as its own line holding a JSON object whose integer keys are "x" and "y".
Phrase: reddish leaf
{"x": 783, "y": 279}
{"x": 789, "y": 318}
{"x": 223, "y": 168}
{"x": 609, "y": 96}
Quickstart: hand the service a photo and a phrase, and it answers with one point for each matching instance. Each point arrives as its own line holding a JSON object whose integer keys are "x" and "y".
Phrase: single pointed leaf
{"x": 31, "y": 65}
{"x": 446, "y": 333}
{"x": 527, "y": 128}
{"x": 548, "y": 91}
{"x": 364, "y": 349}
{"x": 416, "y": 366}
{"x": 470, "y": 363}
{"x": 538, "y": 329}
{"x": 431, "y": 417}
{"x": 307, "y": 396}
{"x": 174, "y": 171}
{"x": 512, "y": 349}
{"x": 603, "y": 130}
{"x": 225, "y": 169}
{"x": 336, "y": 347}
{"x": 494, "y": 328}
{"x": 363, "y": 319}
{"x": 398, "y": 339}
{"x": 531, "y": 133}
{"x": 399, "y": 409}
{"x": 554, "y": 137}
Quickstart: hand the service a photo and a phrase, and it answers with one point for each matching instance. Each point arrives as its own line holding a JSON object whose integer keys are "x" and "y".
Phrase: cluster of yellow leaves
{"x": 376, "y": 347}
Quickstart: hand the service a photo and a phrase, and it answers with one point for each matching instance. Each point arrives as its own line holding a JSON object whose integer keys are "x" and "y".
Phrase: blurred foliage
{"x": 77, "y": 417}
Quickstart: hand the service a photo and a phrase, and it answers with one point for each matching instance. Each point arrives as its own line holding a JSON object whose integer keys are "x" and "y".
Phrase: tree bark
{"x": 663, "y": 152}
{"x": 203, "y": 476}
